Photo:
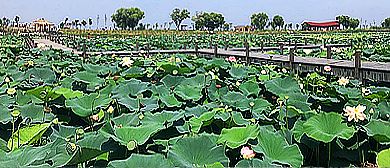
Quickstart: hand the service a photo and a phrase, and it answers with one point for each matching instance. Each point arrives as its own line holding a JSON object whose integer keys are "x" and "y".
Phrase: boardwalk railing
{"x": 354, "y": 68}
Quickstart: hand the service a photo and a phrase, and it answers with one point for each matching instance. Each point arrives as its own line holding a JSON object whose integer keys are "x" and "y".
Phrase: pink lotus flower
{"x": 247, "y": 153}
{"x": 355, "y": 113}
{"x": 327, "y": 68}
{"x": 263, "y": 72}
{"x": 171, "y": 59}
{"x": 232, "y": 59}
{"x": 95, "y": 117}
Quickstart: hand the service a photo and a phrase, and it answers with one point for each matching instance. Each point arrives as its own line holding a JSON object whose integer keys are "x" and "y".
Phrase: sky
{"x": 238, "y": 12}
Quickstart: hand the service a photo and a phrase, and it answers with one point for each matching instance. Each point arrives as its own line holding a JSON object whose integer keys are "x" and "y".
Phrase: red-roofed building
{"x": 321, "y": 26}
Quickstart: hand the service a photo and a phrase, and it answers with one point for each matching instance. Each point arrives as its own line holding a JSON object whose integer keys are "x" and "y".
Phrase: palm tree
{"x": 17, "y": 18}
{"x": 84, "y": 23}
{"x": 90, "y": 22}
{"x": 76, "y": 22}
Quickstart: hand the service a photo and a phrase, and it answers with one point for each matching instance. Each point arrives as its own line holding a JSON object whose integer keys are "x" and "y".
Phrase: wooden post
{"x": 226, "y": 45}
{"x": 295, "y": 46}
{"x": 328, "y": 52}
{"x": 247, "y": 53}
{"x": 215, "y": 50}
{"x": 78, "y": 46}
{"x": 84, "y": 50}
{"x": 305, "y": 42}
{"x": 315, "y": 41}
{"x": 351, "y": 43}
{"x": 291, "y": 60}
{"x": 211, "y": 44}
{"x": 147, "y": 49}
{"x": 196, "y": 49}
{"x": 324, "y": 43}
{"x": 281, "y": 49}
{"x": 136, "y": 46}
{"x": 262, "y": 46}
{"x": 185, "y": 45}
{"x": 358, "y": 64}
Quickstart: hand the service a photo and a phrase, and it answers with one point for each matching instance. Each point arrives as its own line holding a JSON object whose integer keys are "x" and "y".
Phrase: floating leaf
{"x": 186, "y": 152}
{"x": 383, "y": 158}
{"x": 238, "y": 136}
{"x": 140, "y": 160}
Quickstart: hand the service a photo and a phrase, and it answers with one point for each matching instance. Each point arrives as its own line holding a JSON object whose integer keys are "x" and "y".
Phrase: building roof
{"x": 42, "y": 21}
{"x": 323, "y": 24}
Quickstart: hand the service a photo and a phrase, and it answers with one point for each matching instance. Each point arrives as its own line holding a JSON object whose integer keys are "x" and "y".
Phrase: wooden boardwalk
{"x": 354, "y": 68}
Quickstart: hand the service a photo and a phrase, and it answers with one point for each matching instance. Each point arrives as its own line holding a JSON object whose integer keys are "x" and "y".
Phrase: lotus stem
{"x": 329, "y": 152}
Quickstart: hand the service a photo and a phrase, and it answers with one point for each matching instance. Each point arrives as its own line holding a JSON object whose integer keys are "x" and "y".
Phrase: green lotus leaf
{"x": 239, "y": 120}
{"x": 235, "y": 99}
{"x": 23, "y": 156}
{"x": 196, "y": 152}
{"x": 164, "y": 118}
{"x": 35, "y": 112}
{"x": 217, "y": 62}
{"x": 62, "y": 132}
{"x": 259, "y": 106}
{"x": 41, "y": 75}
{"x": 250, "y": 88}
{"x": 131, "y": 87}
{"x": 139, "y": 134}
{"x": 325, "y": 127}
{"x": 89, "y": 148}
{"x": 27, "y": 135}
{"x": 140, "y": 160}
{"x": 197, "y": 81}
{"x": 134, "y": 104}
{"x": 68, "y": 93}
{"x": 379, "y": 130}
{"x": 383, "y": 158}
{"x": 384, "y": 109}
{"x": 196, "y": 111}
{"x": 97, "y": 69}
{"x": 283, "y": 86}
{"x": 256, "y": 163}
{"x": 130, "y": 119}
{"x": 275, "y": 147}
{"x": 170, "y": 100}
{"x": 351, "y": 93}
{"x": 188, "y": 92}
{"x": 133, "y": 72}
{"x": 238, "y": 72}
{"x": 82, "y": 106}
{"x": 171, "y": 81}
{"x": 161, "y": 90}
{"x": 205, "y": 119}
{"x": 238, "y": 136}
{"x": 89, "y": 78}
{"x": 44, "y": 93}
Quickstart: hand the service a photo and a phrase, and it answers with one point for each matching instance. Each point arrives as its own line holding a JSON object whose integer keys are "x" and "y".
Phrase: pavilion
{"x": 43, "y": 25}
{"x": 243, "y": 28}
{"x": 322, "y": 26}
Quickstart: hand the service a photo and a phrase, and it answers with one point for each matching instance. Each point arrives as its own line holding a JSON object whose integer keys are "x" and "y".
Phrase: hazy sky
{"x": 237, "y": 11}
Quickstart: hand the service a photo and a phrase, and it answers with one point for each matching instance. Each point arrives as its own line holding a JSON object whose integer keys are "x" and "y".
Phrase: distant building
{"x": 184, "y": 27}
{"x": 43, "y": 25}
{"x": 321, "y": 26}
{"x": 243, "y": 28}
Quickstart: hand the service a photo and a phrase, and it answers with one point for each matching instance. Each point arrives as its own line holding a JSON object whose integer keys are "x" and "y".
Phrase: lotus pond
{"x": 60, "y": 109}
{"x": 375, "y": 46}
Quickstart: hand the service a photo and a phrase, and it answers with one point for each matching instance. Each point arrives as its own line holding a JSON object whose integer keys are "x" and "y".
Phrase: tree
{"x": 127, "y": 18}
{"x": 226, "y": 26}
{"x": 386, "y": 23}
{"x": 178, "y": 16}
{"x": 290, "y": 25}
{"x": 76, "y": 22}
{"x": 84, "y": 23}
{"x": 344, "y": 20}
{"x": 16, "y": 19}
{"x": 90, "y": 22}
{"x": 259, "y": 20}
{"x": 354, "y": 23}
{"x": 305, "y": 26}
{"x": 210, "y": 21}
{"x": 272, "y": 24}
{"x": 278, "y": 21}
